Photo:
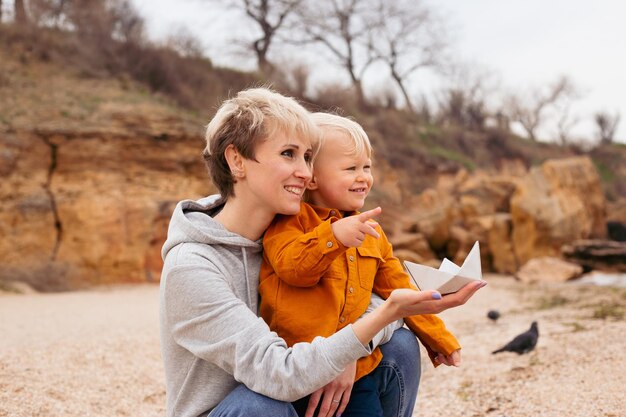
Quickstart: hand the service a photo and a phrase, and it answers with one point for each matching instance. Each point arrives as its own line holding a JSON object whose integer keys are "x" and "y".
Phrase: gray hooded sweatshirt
{"x": 211, "y": 337}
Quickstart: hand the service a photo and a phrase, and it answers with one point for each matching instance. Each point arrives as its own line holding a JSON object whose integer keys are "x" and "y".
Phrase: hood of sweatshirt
{"x": 192, "y": 223}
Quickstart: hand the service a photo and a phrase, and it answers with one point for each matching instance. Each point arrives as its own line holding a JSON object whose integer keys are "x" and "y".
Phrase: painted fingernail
{"x": 436, "y": 296}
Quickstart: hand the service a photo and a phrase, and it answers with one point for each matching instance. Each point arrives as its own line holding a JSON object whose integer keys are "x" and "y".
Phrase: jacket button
{"x": 351, "y": 258}
{"x": 342, "y": 319}
{"x": 329, "y": 244}
{"x": 351, "y": 290}
{"x": 333, "y": 212}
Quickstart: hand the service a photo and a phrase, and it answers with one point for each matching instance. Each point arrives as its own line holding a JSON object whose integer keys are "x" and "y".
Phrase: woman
{"x": 220, "y": 358}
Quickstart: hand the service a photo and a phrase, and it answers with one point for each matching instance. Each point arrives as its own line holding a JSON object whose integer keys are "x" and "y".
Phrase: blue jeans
{"x": 390, "y": 390}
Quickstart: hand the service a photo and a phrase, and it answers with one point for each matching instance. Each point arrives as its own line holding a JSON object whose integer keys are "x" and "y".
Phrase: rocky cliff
{"x": 90, "y": 169}
{"x": 90, "y": 205}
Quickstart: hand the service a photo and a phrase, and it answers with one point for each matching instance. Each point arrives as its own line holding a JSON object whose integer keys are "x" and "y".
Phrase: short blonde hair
{"x": 246, "y": 120}
{"x": 329, "y": 122}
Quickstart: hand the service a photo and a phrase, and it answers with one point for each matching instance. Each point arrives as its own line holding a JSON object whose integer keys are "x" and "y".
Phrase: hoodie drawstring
{"x": 245, "y": 272}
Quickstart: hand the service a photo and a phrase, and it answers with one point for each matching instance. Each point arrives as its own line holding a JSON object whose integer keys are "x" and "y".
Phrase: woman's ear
{"x": 312, "y": 185}
{"x": 235, "y": 161}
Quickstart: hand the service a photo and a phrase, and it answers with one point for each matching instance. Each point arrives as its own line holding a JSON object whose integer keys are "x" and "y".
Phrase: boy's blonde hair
{"x": 246, "y": 120}
{"x": 328, "y": 122}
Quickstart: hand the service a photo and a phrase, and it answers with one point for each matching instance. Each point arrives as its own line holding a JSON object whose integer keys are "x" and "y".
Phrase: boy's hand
{"x": 351, "y": 231}
{"x": 454, "y": 359}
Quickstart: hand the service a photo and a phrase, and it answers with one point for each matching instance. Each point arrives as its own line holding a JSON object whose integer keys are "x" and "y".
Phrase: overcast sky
{"x": 526, "y": 44}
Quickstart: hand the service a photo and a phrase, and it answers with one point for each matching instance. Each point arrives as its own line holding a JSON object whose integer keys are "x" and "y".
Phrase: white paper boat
{"x": 449, "y": 277}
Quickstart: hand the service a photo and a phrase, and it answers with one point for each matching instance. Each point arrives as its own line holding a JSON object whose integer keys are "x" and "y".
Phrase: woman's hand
{"x": 335, "y": 395}
{"x": 408, "y": 302}
{"x": 454, "y": 359}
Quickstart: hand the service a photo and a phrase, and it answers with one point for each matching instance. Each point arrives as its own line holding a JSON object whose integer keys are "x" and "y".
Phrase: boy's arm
{"x": 429, "y": 328}
{"x": 298, "y": 256}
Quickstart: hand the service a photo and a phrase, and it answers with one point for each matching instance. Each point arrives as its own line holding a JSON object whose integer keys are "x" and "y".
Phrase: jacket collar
{"x": 326, "y": 213}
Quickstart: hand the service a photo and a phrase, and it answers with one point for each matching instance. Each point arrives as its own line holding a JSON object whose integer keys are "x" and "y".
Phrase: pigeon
{"x": 522, "y": 343}
{"x": 494, "y": 315}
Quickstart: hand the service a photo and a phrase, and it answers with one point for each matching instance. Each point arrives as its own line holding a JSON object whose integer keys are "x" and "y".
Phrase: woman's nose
{"x": 304, "y": 170}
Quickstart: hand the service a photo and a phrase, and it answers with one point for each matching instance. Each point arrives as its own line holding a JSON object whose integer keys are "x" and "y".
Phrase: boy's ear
{"x": 312, "y": 185}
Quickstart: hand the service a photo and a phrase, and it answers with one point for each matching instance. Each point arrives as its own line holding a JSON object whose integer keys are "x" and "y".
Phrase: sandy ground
{"x": 96, "y": 353}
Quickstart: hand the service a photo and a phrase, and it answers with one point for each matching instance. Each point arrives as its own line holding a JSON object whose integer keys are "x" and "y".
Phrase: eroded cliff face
{"x": 91, "y": 168}
{"x": 91, "y": 206}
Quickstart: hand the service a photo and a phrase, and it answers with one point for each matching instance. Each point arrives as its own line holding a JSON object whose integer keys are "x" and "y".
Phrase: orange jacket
{"x": 311, "y": 285}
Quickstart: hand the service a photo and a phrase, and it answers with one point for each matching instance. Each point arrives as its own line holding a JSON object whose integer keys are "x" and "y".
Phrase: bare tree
{"x": 270, "y": 17}
{"x": 51, "y": 13}
{"x": 345, "y": 29}
{"x": 565, "y": 124}
{"x": 530, "y": 114}
{"x": 127, "y": 24}
{"x": 607, "y": 126}
{"x": 463, "y": 100}
{"x": 407, "y": 37}
{"x": 185, "y": 43}
{"x": 385, "y": 94}
{"x": 299, "y": 77}
{"x": 21, "y": 18}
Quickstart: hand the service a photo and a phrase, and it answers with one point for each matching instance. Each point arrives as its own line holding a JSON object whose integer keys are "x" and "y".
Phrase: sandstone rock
{"x": 616, "y": 211}
{"x": 87, "y": 207}
{"x": 434, "y": 213}
{"x": 460, "y": 243}
{"x": 413, "y": 242}
{"x": 546, "y": 269}
{"x": 558, "y": 202}
{"x": 387, "y": 188}
{"x": 501, "y": 245}
{"x": 484, "y": 194}
{"x": 18, "y": 287}
{"x": 408, "y": 255}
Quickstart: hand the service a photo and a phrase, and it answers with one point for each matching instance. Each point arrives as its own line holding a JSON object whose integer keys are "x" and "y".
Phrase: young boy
{"x": 321, "y": 266}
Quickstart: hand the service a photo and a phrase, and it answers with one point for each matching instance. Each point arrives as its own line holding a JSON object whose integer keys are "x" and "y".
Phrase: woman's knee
{"x": 244, "y": 402}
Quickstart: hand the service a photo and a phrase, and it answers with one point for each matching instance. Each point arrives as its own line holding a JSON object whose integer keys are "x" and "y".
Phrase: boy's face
{"x": 341, "y": 179}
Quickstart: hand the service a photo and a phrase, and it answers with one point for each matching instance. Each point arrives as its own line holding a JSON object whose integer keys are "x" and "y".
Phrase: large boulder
{"x": 558, "y": 202}
{"x": 434, "y": 212}
{"x": 548, "y": 269}
{"x": 484, "y": 194}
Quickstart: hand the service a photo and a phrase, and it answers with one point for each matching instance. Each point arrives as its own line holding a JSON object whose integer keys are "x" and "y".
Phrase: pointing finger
{"x": 366, "y": 215}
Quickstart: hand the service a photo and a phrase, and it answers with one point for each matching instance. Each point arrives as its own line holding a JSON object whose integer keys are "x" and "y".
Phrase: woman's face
{"x": 278, "y": 178}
